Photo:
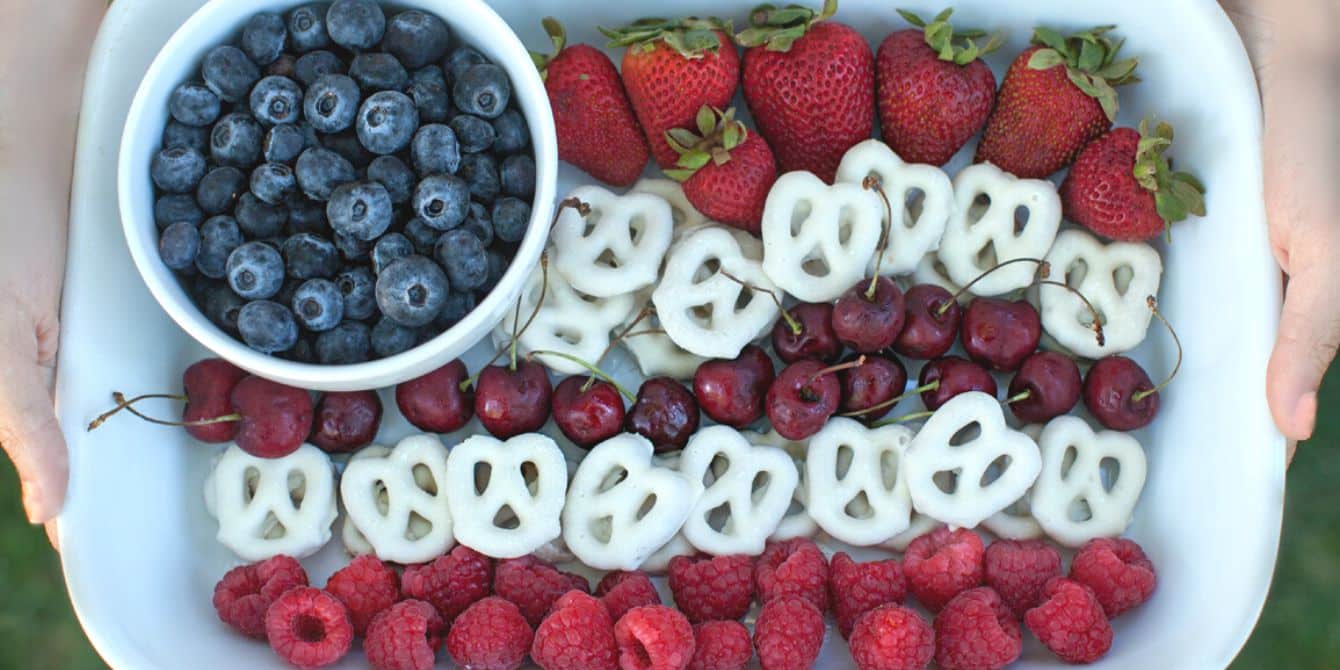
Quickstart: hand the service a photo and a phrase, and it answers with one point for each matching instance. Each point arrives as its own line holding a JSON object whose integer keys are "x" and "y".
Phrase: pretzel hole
{"x": 530, "y": 473}
{"x": 719, "y": 466}
{"x": 701, "y": 315}
{"x": 815, "y": 267}
{"x": 743, "y": 298}
{"x": 297, "y": 487}
{"x": 418, "y": 527}
{"x": 888, "y": 469}
{"x": 846, "y": 224}
{"x": 759, "y": 486}
{"x": 424, "y": 479}
{"x": 845, "y": 455}
{"x": 251, "y": 479}
{"x": 592, "y": 221}
{"x": 637, "y": 225}
{"x": 799, "y": 215}
{"x": 966, "y": 434}
{"x": 272, "y": 528}
{"x": 718, "y": 518}
{"x": 986, "y": 256}
{"x": 980, "y": 204}
{"x": 1076, "y": 272}
{"x": 1121, "y": 278}
{"x": 1021, "y": 216}
{"x": 602, "y": 528}
{"x": 607, "y": 259}
{"x": 648, "y": 504}
{"x": 483, "y": 475}
{"x": 859, "y": 507}
{"x": 711, "y": 265}
{"x": 947, "y": 484}
{"x": 613, "y": 478}
{"x": 1079, "y": 511}
{"x": 382, "y": 498}
{"x": 506, "y": 519}
{"x": 1068, "y": 459}
{"x": 1109, "y": 471}
{"x": 914, "y": 201}
{"x": 995, "y": 470}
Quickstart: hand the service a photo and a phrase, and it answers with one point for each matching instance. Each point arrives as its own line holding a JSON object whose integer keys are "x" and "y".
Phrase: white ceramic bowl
{"x": 220, "y": 21}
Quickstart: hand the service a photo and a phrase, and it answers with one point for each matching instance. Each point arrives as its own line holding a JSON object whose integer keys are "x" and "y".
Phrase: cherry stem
{"x": 595, "y": 371}
{"x": 1044, "y": 269}
{"x": 902, "y": 419}
{"x": 516, "y": 316}
{"x": 871, "y": 182}
{"x": 1097, "y": 324}
{"x": 786, "y": 316}
{"x": 836, "y": 368}
{"x": 122, "y": 403}
{"x": 646, "y": 311}
{"x": 935, "y": 385}
{"x": 1022, "y": 395}
{"x": 1154, "y": 307}
{"x": 648, "y": 331}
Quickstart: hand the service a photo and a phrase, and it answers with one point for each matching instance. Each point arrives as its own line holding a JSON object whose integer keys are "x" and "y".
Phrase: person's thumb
{"x": 1308, "y": 334}
{"x": 31, "y": 436}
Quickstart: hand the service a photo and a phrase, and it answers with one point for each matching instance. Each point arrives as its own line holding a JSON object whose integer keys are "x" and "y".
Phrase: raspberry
{"x": 534, "y": 585}
{"x": 1017, "y": 570}
{"x": 366, "y": 586}
{"x": 654, "y": 637}
{"x": 708, "y": 588}
{"x": 245, "y": 592}
{"x": 404, "y": 636}
{"x": 1117, "y": 570}
{"x": 793, "y": 567}
{"x": 1070, "y": 622}
{"x": 491, "y": 634}
{"x": 451, "y": 582}
{"x": 892, "y": 637}
{"x": 623, "y": 590}
{"x": 856, "y": 588}
{"x": 977, "y": 631}
{"x": 788, "y": 633}
{"x": 578, "y": 634}
{"x": 941, "y": 564}
{"x": 309, "y": 628}
{"x": 721, "y": 645}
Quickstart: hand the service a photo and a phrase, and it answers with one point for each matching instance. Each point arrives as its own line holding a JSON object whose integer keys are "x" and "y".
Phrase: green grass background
{"x": 1299, "y": 630}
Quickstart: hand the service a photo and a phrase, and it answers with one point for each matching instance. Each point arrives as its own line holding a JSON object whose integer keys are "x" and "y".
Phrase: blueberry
{"x": 284, "y": 66}
{"x": 263, "y": 38}
{"x": 498, "y": 263}
{"x": 462, "y": 59}
{"x": 387, "y": 121}
{"x": 480, "y": 223}
{"x": 219, "y": 236}
{"x": 171, "y": 209}
{"x": 220, "y": 188}
{"x": 421, "y": 235}
{"x": 221, "y": 306}
{"x": 302, "y": 351}
{"x": 276, "y": 100}
{"x": 177, "y": 134}
{"x": 320, "y": 170}
{"x": 306, "y": 216}
{"x": 463, "y": 257}
{"x": 482, "y": 90}
{"x": 511, "y": 133}
{"x": 473, "y": 133}
{"x": 359, "y": 288}
{"x": 378, "y": 72}
{"x": 283, "y": 143}
{"x": 311, "y": 67}
{"x": 352, "y": 249}
{"x": 356, "y": 24}
{"x": 435, "y": 150}
{"x": 429, "y": 90}
{"x": 178, "y": 245}
{"x": 236, "y": 141}
{"x": 194, "y": 104}
{"x": 267, "y": 327}
{"x": 390, "y": 338}
{"x": 258, "y": 219}
{"x": 392, "y": 173}
{"x": 360, "y": 209}
{"x": 229, "y": 73}
{"x": 480, "y": 171}
{"x": 177, "y": 170}
{"x": 346, "y": 144}
{"x": 307, "y": 256}
{"x": 518, "y": 176}
{"x": 387, "y": 249}
{"x": 412, "y": 290}
{"x": 344, "y": 344}
{"x": 318, "y": 305}
{"x": 255, "y": 271}
{"x": 307, "y": 28}
{"x": 458, "y": 304}
{"x": 442, "y": 201}
{"x": 273, "y": 182}
{"x": 331, "y": 103}
{"x": 510, "y": 218}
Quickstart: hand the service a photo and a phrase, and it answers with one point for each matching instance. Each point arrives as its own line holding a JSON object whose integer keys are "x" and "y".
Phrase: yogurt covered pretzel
{"x": 685, "y": 215}
{"x": 395, "y": 501}
{"x": 1116, "y": 278}
{"x": 1072, "y": 474}
{"x": 978, "y": 236}
{"x": 515, "y": 508}
{"x": 1016, "y": 521}
{"x": 917, "y": 230}
{"x": 656, "y": 354}
{"x": 617, "y": 247}
{"x": 254, "y": 502}
{"x": 797, "y": 521}
{"x": 751, "y": 512}
{"x": 847, "y": 462}
{"x": 809, "y": 224}
{"x": 919, "y": 525}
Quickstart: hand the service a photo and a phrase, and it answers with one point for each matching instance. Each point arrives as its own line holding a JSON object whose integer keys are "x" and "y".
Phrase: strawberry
{"x": 1123, "y": 187}
{"x": 934, "y": 93}
{"x": 1056, "y": 96}
{"x": 595, "y": 125}
{"x": 810, "y": 85}
{"x": 726, "y": 170}
{"x": 671, "y": 69}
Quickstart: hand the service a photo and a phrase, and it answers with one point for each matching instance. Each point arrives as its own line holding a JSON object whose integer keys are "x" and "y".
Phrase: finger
{"x": 1290, "y": 448}
{"x": 31, "y": 436}
{"x": 1308, "y": 334}
{"x": 52, "y": 535}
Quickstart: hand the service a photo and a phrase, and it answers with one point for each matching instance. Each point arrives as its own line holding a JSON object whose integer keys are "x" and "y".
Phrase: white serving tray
{"x": 139, "y": 553}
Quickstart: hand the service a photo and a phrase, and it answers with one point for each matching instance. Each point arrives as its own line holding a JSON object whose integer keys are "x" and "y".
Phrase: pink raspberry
{"x": 892, "y": 637}
{"x": 654, "y": 637}
{"x": 246, "y": 592}
{"x": 788, "y": 633}
{"x": 721, "y": 645}
{"x": 366, "y": 586}
{"x": 793, "y": 567}
{"x": 856, "y": 588}
{"x": 534, "y": 585}
{"x": 450, "y": 583}
{"x": 309, "y": 628}
{"x": 976, "y": 631}
{"x": 708, "y": 588}
{"x": 578, "y": 634}
{"x": 491, "y": 634}
{"x": 1117, "y": 570}
{"x": 1017, "y": 570}
{"x": 404, "y": 636}
{"x": 1070, "y": 622}
{"x": 623, "y": 590}
{"x": 942, "y": 564}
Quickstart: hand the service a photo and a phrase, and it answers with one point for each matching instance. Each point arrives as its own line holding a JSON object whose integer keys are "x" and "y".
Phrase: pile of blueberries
{"x": 340, "y": 185}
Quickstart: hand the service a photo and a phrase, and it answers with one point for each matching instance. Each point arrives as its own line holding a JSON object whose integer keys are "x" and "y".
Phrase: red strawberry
{"x": 596, "y": 128}
{"x": 934, "y": 94}
{"x": 1056, "y": 96}
{"x": 810, "y": 85}
{"x": 726, "y": 171}
{"x": 671, "y": 69}
{"x": 1123, "y": 188}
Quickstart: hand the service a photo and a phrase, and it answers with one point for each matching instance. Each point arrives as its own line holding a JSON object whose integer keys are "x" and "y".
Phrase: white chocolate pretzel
{"x": 617, "y": 247}
{"x": 919, "y": 525}
{"x": 686, "y": 216}
{"x": 931, "y": 271}
{"x": 1071, "y": 500}
{"x": 1016, "y": 521}
{"x": 396, "y": 500}
{"x": 797, "y": 521}
{"x": 735, "y": 513}
{"x": 657, "y": 354}
{"x": 271, "y": 506}
{"x": 849, "y": 462}
{"x": 513, "y": 506}
{"x": 980, "y": 235}
{"x": 818, "y": 239}
{"x": 658, "y": 563}
{"x": 1116, "y": 278}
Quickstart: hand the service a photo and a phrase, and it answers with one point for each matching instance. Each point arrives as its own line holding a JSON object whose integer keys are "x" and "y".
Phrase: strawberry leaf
{"x": 1090, "y": 56}
{"x": 680, "y": 176}
{"x": 1045, "y": 59}
{"x": 911, "y": 18}
{"x": 693, "y": 160}
{"x": 732, "y": 136}
{"x": 1189, "y": 197}
{"x": 1190, "y": 179}
{"x": 1170, "y": 209}
{"x": 1050, "y": 38}
{"x": 681, "y": 136}
{"x": 706, "y": 120}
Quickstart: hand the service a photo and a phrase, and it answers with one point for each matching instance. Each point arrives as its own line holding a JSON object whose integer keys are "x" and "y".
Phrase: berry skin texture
{"x": 1101, "y": 193}
{"x": 534, "y": 585}
{"x": 404, "y": 637}
{"x": 794, "y": 567}
{"x": 577, "y": 635}
{"x": 941, "y": 564}
{"x": 734, "y": 192}
{"x": 1017, "y": 570}
{"x": 309, "y": 628}
{"x": 244, "y": 594}
{"x": 655, "y": 637}
{"x": 708, "y": 588}
{"x": 366, "y": 586}
{"x": 788, "y": 634}
{"x": 450, "y": 583}
{"x": 721, "y": 645}
{"x": 892, "y": 637}
{"x": 977, "y": 631}
{"x": 490, "y": 635}
{"x": 1070, "y": 622}
{"x": 1117, "y": 570}
{"x": 856, "y": 588}
{"x": 596, "y": 128}
{"x": 929, "y": 108}
{"x": 623, "y": 590}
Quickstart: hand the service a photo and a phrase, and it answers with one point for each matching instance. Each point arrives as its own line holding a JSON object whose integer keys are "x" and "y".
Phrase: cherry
{"x": 588, "y": 410}
{"x": 1046, "y": 386}
{"x": 871, "y": 384}
{"x": 1119, "y": 394}
{"x": 931, "y": 323}
{"x": 809, "y": 334}
{"x": 208, "y": 384}
{"x": 731, "y": 391}
{"x": 665, "y": 413}
{"x": 869, "y": 316}
{"x": 1000, "y": 334}
{"x": 436, "y": 402}
{"x": 346, "y": 421}
{"x": 804, "y": 395}
{"x": 273, "y": 419}
{"x": 954, "y": 375}
{"x": 511, "y": 400}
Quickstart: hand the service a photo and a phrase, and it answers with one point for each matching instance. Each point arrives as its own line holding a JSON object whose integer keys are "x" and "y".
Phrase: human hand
{"x": 28, "y": 429}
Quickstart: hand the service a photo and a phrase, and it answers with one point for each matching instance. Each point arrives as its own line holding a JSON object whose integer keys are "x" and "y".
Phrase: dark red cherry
{"x": 665, "y": 413}
{"x": 731, "y": 391}
{"x": 816, "y": 338}
{"x": 511, "y": 402}
{"x": 588, "y": 411}
{"x": 869, "y": 323}
{"x": 208, "y": 383}
{"x": 1000, "y": 334}
{"x": 346, "y": 421}
{"x": 928, "y": 331}
{"x": 802, "y": 398}
{"x": 435, "y": 402}
{"x": 1051, "y": 383}
{"x": 1119, "y": 394}
{"x": 875, "y": 381}
{"x": 955, "y": 375}
{"x": 274, "y": 419}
